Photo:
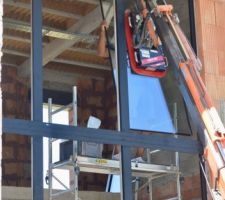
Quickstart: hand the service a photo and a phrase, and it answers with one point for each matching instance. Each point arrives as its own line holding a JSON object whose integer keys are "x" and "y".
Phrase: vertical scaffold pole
{"x": 177, "y": 159}
{"x": 75, "y": 144}
{"x": 50, "y": 151}
{"x": 149, "y": 179}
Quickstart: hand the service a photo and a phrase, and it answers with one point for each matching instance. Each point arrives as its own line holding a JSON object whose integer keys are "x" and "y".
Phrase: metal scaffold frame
{"x": 37, "y": 129}
{"x": 52, "y": 165}
{"x": 78, "y": 163}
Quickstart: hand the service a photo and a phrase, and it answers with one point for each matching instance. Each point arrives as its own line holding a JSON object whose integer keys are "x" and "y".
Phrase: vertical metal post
{"x": 75, "y": 145}
{"x": 121, "y": 55}
{"x": 177, "y": 160}
{"x": 36, "y": 98}
{"x": 50, "y": 151}
{"x": 149, "y": 179}
{"x": 202, "y": 178}
{"x": 222, "y": 110}
{"x": 136, "y": 188}
{"x": 192, "y": 24}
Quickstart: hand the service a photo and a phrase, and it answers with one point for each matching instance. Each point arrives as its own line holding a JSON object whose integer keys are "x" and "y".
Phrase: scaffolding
{"x": 52, "y": 165}
{"x": 77, "y": 163}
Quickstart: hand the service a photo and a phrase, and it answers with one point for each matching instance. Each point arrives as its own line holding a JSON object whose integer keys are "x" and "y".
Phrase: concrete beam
{"x": 77, "y": 49}
{"x": 86, "y": 25}
{"x": 63, "y": 61}
{"x": 88, "y": 65}
{"x": 47, "y": 31}
{"x": 57, "y": 77}
{"x": 22, "y": 193}
{"x": 95, "y": 2}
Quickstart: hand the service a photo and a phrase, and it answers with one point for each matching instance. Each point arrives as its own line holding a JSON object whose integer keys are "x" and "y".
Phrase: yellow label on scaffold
{"x": 101, "y": 161}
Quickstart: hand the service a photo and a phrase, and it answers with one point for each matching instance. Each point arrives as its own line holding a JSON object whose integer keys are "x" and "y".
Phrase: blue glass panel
{"x": 147, "y": 105}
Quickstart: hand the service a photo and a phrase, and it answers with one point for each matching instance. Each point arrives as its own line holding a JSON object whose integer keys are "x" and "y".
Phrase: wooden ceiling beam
{"x": 45, "y": 10}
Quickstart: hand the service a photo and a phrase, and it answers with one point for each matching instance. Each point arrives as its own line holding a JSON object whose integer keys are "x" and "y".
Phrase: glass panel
{"x": 147, "y": 105}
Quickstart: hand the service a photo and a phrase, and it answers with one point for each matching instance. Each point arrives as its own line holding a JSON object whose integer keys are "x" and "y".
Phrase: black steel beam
{"x": 36, "y": 98}
{"x": 126, "y": 179}
{"x": 191, "y": 9}
{"x": 153, "y": 141}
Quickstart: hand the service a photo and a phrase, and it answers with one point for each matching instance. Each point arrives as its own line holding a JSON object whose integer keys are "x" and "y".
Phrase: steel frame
{"x": 36, "y": 98}
{"x": 102, "y": 136}
{"x": 37, "y": 129}
{"x": 121, "y": 57}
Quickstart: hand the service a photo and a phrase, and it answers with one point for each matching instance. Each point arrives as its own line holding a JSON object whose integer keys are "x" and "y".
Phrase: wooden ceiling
{"x": 70, "y": 36}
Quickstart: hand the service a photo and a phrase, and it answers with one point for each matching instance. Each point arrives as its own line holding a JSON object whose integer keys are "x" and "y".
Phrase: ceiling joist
{"x": 85, "y": 25}
{"x": 45, "y": 10}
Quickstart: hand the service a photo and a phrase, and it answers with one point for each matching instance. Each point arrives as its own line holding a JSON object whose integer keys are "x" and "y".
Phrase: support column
{"x": 126, "y": 187}
{"x": 36, "y": 98}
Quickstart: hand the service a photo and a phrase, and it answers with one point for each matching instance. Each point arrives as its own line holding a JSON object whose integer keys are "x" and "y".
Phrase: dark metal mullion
{"x": 126, "y": 193}
{"x": 192, "y": 25}
{"x": 36, "y": 98}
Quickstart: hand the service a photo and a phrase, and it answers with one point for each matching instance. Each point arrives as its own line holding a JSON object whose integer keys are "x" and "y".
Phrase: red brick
{"x": 85, "y": 114}
{"x": 85, "y": 84}
{"x": 95, "y": 101}
{"x": 187, "y": 185}
{"x": 23, "y": 154}
{"x": 221, "y": 93}
{"x": 211, "y": 62}
{"x": 100, "y": 114}
{"x": 208, "y": 11}
{"x": 211, "y": 85}
{"x": 10, "y": 71}
{"x": 10, "y": 106}
{"x": 23, "y": 140}
{"x": 219, "y": 13}
{"x": 221, "y": 63}
{"x": 220, "y": 39}
{"x": 8, "y": 152}
{"x": 10, "y": 138}
{"x": 99, "y": 86}
{"x": 9, "y": 87}
{"x": 112, "y": 112}
{"x": 109, "y": 83}
{"x": 209, "y": 37}
{"x": 13, "y": 168}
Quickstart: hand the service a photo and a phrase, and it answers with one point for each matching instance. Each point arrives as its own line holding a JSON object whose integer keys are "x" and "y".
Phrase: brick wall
{"x": 16, "y": 149}
{"x": 92, "y": 100}
{"x": 190, "y": 189}
{"x": 95, "y": 97}
{"x": 210, "y": 25}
